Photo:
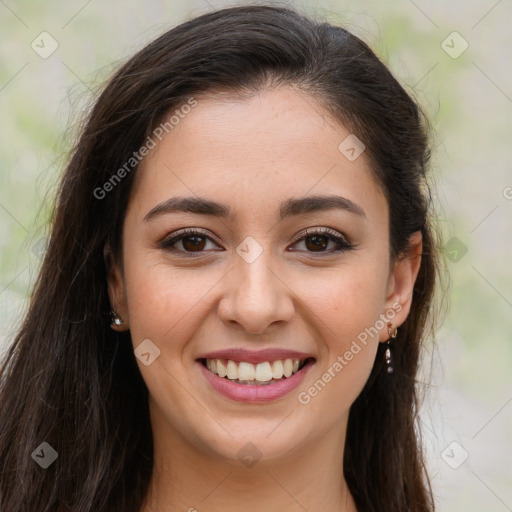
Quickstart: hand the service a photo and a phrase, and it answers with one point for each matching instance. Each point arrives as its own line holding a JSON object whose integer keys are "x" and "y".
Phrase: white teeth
{"x": 246, "y": 371}
{"x": 232, "y": 370}
{"x": 288, "y": 367}
{"x": 263, "y": 372}
{"x": 249, "y": 373}
{"x": 277, "y": 369}
{"x": 221, "y": 369}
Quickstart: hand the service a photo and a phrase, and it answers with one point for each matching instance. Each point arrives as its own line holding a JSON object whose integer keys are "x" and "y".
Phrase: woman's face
{"x": 252, "y": 286}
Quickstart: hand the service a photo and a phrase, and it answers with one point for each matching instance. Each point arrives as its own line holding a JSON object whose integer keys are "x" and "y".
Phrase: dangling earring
{"x": 392, "y": 333}
{"x": 116, "y": 319}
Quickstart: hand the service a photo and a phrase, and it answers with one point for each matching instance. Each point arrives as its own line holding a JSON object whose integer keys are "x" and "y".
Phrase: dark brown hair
{"x": 71, "y": 381}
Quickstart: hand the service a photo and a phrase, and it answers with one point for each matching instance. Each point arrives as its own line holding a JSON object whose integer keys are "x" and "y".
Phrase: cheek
{"x": 166, "y": 306}
{"x": 166, "y": 303}
{"x": 345, "y": 309}
{"x": 345, "y": 301}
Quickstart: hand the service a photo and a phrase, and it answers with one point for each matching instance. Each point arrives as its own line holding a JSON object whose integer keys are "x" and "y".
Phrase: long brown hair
{"x": 72, "y": 382}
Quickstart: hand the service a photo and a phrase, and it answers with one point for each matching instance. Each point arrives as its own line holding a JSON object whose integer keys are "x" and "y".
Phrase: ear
{"x": 116, "y": 288}
{"x": 401, "y": 285}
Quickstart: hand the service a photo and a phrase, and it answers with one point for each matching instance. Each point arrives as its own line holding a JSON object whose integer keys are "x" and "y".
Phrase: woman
{"x": 238, "y": 283}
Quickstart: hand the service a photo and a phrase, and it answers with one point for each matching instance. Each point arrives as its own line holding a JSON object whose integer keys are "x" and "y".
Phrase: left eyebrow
{"x": 290, "y": 207}
{"x": 311, "y": 204}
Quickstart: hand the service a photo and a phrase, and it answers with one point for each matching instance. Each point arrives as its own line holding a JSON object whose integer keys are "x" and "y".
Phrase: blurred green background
{"x": 463, "y": 80}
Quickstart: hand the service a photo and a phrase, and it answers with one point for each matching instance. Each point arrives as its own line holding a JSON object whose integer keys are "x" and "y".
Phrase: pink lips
{"x": 255, "y": 393}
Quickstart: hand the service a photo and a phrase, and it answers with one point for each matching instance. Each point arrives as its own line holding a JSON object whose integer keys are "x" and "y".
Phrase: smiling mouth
{"x": 261, "y": 374}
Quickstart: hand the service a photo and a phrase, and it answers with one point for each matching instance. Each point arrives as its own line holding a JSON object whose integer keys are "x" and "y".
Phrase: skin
{"x": 251, "y": 155}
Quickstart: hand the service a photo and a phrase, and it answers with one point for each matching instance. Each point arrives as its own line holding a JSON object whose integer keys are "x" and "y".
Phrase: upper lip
{"x": 255, "y": 356}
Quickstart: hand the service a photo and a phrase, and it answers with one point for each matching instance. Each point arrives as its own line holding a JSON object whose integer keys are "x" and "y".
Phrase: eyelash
{"x": 343, "y": 245}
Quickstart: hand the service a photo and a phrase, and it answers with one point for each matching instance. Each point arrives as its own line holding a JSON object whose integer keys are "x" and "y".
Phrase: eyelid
{"x": 322, "y": 231}
{"x": 188, "y": 231}
{"x": 174, "y": 237}
{"x": 340, "y": 239}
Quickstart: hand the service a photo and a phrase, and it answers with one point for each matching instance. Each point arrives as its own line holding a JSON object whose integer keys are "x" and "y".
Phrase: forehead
{"x": 254, "y": 151}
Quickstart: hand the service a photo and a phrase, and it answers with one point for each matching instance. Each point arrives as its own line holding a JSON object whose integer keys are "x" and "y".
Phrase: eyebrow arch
{"x": 290, "y": 207}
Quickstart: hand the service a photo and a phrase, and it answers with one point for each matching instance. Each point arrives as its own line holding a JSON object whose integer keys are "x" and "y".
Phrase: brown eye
{"x": 317, "y": 241}
{"x": 191, "y": 240}
{"x": 193, "y": 243}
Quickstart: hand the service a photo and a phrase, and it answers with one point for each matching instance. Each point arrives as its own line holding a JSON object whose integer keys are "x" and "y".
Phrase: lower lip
{"x": 254, "y": 393}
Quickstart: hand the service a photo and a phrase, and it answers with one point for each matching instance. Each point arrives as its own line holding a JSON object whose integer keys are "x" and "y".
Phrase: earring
{"x": 392, "y": 333}
{"x": 116, "y": 319}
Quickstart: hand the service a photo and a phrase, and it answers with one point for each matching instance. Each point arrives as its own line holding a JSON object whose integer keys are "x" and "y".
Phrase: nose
{"x": 256, "y": 297}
